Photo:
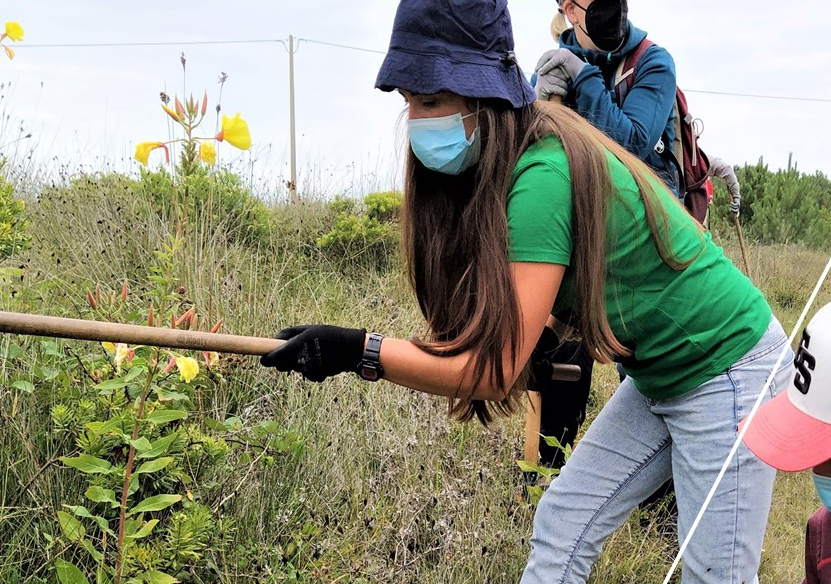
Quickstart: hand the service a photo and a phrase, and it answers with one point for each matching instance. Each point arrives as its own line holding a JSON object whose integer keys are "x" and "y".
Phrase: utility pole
{"x": 293, "y": 151}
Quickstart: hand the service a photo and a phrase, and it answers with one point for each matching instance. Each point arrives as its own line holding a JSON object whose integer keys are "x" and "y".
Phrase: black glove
{"x": 317, "y": 351}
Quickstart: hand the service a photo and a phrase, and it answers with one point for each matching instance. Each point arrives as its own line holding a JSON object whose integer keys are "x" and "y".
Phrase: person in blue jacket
{"x": 584, "y": 72}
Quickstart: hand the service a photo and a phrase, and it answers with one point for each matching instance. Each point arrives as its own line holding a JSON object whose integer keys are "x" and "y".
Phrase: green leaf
{"x": 14, "y": 352}
{"x": 215, "y": 425}
{"x": 155, "y": 465}
{"x": 534, "y": 494}
{"x": 88, "y": 464}
{"x": 156, "y": 577}
{"x": 169, "y": 395}
{"x": 268, "y": 426}
{"x": 82, "y": 511}
{"x": 71, "y": 527}
{"x": 164, "y": 416}
{"x": 134, "y": 485}
{"x": 526, "y": 466}
{"x": 96, "y": 555}
{"x": 145, "y": 530}
{"x": 101, "y": 428}
{"x": 141, "y": 444}
{"x": 159, "y": 447}
{"x": 24, "y": 386}
{"x": 233, "y": 424}
{"x": 107, "y": 387}
{"x": 155, "y": 503}
{"x": 553, "y": 442}
{"x": 135, "y": 371}
{"x": 68, "y": 573}
{"x": 51, "y": 348}
{"x": 101, "y": 495}
{"x": 44, "y": 373}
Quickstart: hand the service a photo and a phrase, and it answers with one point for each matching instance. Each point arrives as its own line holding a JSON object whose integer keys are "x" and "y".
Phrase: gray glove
{"x": 555, "y": 71}
{"x": 735, "y": 204}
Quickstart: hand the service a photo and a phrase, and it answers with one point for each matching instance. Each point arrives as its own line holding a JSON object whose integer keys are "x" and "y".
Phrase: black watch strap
{"x": 370, "y": 366}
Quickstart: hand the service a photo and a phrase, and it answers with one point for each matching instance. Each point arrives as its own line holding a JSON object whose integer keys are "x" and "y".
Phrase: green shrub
{"x": 367, "y": 235}
{"x": 13, "y": 236}
{"x": 214, "y": 200}
{"x": 385, "y": 206}
{"x": 154, "y": 476}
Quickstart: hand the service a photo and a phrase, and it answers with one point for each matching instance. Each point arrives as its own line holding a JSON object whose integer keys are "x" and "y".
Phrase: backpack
{"x": 692, "y": 163}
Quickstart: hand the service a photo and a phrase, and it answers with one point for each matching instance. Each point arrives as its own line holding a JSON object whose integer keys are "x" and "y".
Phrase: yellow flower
{"x": 143, "y": 150}
{"x": 235, "y": 132}
{"x": 14, "y": 31}
{"x": 207, "y": 152}
{"x": 211, "y": 358}
{"x": 123, "y": 353}
{"x": 108, "y": 347}
{"x": 188, "y": 368}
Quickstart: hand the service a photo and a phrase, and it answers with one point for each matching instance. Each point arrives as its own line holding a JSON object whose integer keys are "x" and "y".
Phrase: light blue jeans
{"x": 636, "y": 444}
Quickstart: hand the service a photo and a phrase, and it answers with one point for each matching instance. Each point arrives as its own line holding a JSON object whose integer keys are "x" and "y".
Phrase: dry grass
{"x": 396, "y": 491}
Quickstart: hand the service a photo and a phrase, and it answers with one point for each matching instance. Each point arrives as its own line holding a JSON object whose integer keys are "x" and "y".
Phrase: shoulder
{"x": 544, "y": 161}
{"x": 539, "y": 205}
{"x": 654, "y": 57}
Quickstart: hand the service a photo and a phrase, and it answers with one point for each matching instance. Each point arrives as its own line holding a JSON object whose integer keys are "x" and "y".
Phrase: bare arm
{"x": 536, "y": 287}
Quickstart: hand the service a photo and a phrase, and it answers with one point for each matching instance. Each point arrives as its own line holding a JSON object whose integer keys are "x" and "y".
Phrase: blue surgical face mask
{"x": 823, "y": 486}
{"x": 441, "y": 144}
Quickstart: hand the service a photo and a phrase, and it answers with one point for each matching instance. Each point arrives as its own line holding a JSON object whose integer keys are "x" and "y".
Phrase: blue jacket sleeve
{"x": 638, "y": 125}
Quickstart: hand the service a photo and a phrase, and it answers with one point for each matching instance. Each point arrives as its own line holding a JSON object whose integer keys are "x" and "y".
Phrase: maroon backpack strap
{"x": 625, "y": 75}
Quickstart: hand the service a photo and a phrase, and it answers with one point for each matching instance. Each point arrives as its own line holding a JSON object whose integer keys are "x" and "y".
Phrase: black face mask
{"x": 606, "y": 23}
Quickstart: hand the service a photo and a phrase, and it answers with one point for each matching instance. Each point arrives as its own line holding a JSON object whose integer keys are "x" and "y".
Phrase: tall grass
{"x": 386, "y": 488}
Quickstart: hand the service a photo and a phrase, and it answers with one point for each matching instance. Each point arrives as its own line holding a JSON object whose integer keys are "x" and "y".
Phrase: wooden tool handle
{"x": 741, "y": 245}
{"x": 562, "y": 372}
{"x": 90, "y": 330}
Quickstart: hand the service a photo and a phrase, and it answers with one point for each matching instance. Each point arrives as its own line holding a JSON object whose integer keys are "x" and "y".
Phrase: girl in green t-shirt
{"x": 513, "y": 209}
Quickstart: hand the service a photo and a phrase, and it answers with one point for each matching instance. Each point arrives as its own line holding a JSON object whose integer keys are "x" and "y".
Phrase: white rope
{"x": 746, "y": 425}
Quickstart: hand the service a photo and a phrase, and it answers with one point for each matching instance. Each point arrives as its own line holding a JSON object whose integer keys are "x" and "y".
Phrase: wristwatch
{"x": 370, "y": 367}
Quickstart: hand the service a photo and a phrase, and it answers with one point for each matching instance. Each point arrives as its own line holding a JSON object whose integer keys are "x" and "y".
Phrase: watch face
{"x": 370, "y": 374}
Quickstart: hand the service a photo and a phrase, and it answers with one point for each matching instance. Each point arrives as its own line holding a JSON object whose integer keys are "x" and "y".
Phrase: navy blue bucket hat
{"x": 462, "y": 46}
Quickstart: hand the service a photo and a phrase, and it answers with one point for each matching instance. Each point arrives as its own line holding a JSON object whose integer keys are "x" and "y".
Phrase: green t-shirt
{"x": 686, "y": 326}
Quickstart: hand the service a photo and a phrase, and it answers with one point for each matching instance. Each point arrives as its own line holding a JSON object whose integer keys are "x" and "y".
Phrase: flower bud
{"x": 205, "y": 103}
{"x": 185, "y": 318}
{"x": 91, "y": 300}
{"x": 124, "y": 291}
{"x": 171, "y": 113}
{"x": 215, "y": 327}
{"x": 180, "y": 109}
{"x": 150, "y": 316}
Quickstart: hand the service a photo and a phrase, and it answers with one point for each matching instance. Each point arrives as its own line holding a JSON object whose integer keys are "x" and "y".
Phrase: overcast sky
{"x": 89, "y": 106}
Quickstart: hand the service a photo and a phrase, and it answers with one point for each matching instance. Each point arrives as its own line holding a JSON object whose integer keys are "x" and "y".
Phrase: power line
{"x": 758, "y": 96}
{"x": 156, "y": 43}
{"x": 343, "y": 46}
{"x": 364, "y": 50}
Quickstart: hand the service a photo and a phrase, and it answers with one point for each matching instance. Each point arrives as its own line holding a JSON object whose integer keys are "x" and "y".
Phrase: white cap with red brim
{"x": 792, "y": 432}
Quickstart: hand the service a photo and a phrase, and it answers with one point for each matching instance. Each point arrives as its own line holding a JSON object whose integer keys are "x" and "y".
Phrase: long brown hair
{"x": 455, "y": 235}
